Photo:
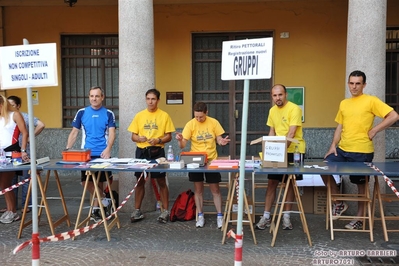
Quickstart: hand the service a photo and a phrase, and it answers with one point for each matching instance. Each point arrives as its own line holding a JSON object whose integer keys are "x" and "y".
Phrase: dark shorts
{"x": 150, "y": 155}
{"x": 209, "y": 177}
{"x": 290, "y": 157}
{"x": 343, "y": 156}
{"x": 102, "y": 174}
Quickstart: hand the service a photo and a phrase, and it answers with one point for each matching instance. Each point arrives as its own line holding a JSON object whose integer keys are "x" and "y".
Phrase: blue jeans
{"x": 24, "y": 188}
{"x": 343, "y": 156}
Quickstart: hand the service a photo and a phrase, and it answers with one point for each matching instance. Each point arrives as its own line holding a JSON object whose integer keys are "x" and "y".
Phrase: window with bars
{"x": 87, "y": 61}
{"x": 392, "y": 68}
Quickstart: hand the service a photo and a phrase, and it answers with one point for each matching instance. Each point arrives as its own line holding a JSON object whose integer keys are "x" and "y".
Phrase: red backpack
{"x": 184, "y": 207}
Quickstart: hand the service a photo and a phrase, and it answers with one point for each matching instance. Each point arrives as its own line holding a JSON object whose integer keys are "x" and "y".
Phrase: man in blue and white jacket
{"x": 98, "y": 134}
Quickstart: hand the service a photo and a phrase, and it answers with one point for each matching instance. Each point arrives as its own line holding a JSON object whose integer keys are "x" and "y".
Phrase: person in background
{"x": 204, "y": 132}
{"x": 151, "y": 128}
{"x": 353, "y": 138}
{"x": 16, "y": 102}
{"x": 98, "y": 124}
{"x": 285, "y": 119}
{"x": 11, "y": 125}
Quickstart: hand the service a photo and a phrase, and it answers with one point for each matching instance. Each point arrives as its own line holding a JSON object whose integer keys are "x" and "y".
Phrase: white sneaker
{"x": 9, "y": 217}
{"x": 201, "y": 221}
{"x": 263, "y": 223}
{"x": 220, "y": 222}
{"x": 287, "y": 225}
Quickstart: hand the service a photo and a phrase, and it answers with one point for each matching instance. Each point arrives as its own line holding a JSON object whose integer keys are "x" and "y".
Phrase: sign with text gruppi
{"x": 275, "y": 151}
{"x": 33, "y": 65}
{"x": 247, "y": 59}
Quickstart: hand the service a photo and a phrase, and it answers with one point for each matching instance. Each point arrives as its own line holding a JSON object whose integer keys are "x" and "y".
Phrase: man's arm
{"x": 167, "y": 137}
{"x": 182, "y": 141}
{"x": 19, "y": 120}
{"x": 388, "y": 121}
{"x": 272, "y": 131}
{"x": 111, "y": 139}
{"x": 335, "y": 141}
{"x": 222, "y": 141}
{"x": 291, "y": 134}
{"x": 39, "y": 127}
{"x": 138, "y": 139}
{"x": 72, "y": 137}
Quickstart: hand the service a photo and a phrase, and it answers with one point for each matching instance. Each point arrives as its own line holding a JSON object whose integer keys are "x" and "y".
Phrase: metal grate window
{"x": 392, "y": 68}
{"x": 225, "y": 98}
{"x": 87, "y": 61}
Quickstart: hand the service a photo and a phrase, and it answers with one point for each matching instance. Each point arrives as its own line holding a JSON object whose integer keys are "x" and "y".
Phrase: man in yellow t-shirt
{"x": 285, "y": 119}
{"x": 151, "y": 129}
{"x": 353, "y": 137}
{"x": 204, "y": 132}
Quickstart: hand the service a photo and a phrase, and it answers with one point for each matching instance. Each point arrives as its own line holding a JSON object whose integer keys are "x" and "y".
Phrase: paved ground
{"x": 151, "y": 243}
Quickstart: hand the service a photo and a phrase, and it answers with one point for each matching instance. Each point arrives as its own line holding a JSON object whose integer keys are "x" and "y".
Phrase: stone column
{"x": 136, "y": 76}
{"x": 366, "y": 52}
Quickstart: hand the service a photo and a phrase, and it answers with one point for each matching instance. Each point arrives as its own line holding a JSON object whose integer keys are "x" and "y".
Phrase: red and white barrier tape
{"x": 237, "y": 186}
{"x": 79, "y": 231}
{"x": 387, "y": 179}
{"x": 4, "y": 191}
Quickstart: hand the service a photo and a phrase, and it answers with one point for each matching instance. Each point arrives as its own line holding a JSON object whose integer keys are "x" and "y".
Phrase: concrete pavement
{"x": 150, "y": 243}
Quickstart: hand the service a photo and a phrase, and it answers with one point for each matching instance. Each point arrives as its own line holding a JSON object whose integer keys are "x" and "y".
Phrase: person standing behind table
{"x": 204, "y": 132}
{"x": 151, "y": 128}
{"x": 11, "y": 124}
{"x": 16, "y": 102}
{"x": 98, "y": 135}
{"x": 353, "y": 137}
{"x": 285, "y": 119}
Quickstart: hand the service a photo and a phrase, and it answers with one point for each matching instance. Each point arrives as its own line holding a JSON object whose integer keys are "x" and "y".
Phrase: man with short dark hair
{"x": 353, "y": 137}
{"x": 285, "y": 119}
{"x": 98, "y": 124}
{"x": 151, "y": 128}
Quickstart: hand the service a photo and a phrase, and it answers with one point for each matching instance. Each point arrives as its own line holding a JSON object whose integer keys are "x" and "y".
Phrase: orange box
{"x": 76, "y": 155}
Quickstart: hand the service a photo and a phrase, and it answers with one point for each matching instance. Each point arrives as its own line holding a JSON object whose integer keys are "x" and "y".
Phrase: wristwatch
{"x": 159, "y": 141}
{"x": 22, "y": 150}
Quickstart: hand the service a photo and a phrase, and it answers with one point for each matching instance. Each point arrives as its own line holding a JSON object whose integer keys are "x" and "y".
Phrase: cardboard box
{"x": 320, "y": 200}
{"x": 245, "y": 215}
{"x": 307, "y": 199}
{"x": 274, "y": 150}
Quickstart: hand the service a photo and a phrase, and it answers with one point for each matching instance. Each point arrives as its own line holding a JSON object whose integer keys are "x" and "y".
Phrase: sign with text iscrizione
{"x": 33, "y": 65}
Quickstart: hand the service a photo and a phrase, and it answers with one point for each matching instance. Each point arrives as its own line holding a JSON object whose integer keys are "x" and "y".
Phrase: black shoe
{"x": 95, "y": 216}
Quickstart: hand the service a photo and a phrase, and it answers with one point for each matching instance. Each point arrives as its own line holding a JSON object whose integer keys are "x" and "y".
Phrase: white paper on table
{"x": 315, "y": 181}
{"x": 274, "y": 151}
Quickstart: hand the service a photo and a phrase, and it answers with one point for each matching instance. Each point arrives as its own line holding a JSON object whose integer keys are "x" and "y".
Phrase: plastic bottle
{"x": 3, "y": 159}
{"x": 297, "y": 157}
{"x": 158, "y": 206}
{"x": 170, "y": 157}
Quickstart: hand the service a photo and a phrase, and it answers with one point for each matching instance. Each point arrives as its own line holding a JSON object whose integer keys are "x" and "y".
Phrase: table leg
{"x": 87, "y": 219}
{"x": 276, "y": 226}
{"x": 301, "y": 210}
{"x": 42, "y": 189}
{"x": 377, "y": 197}
{"x": 329, "y": 208}
{"x": 230, "y": 204}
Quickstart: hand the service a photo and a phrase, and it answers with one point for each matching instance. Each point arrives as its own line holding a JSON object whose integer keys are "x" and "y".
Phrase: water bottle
{"x": 170, "y": 156}
{"x": 158, "y": 206}
{"x": 3, "y": 159}
{"x": 297, "y": 157}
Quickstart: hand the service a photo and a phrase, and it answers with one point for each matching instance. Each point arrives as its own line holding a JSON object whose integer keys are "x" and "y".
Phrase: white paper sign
{"x": 33, "y": 65}
{"x": 274, "y": 151}
{"x": 247, "y": 59}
